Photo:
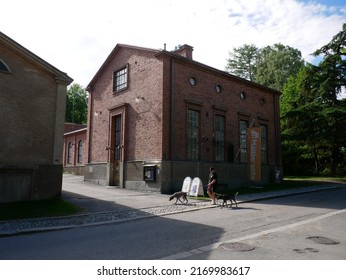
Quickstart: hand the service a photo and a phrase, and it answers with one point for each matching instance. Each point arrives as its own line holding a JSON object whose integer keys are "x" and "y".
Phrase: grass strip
{"x": 37, "y": 209}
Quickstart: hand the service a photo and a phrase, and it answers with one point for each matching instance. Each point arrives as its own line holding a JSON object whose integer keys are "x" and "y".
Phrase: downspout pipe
{"x": 171, "y": 89}
{"x": 89, "y": 123}
{"x": 171, "y": 127}
{"x": 277, "y": 131}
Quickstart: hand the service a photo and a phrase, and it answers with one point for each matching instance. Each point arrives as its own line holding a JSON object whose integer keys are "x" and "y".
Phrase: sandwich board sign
{"x": 186, "y": 185}
{"x": 196, "y": 188}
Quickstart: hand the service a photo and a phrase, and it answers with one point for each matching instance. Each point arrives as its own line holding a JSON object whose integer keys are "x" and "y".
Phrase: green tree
{"x": 276, "y": 64}
{"x": 76, "y": 104}
{"x": 302, "y": 125}
{"x": 270, "y": 66}
{"x": 332, "y": 69}
{"x": 243, "y": 62}
{"x": 313, "y": 117}
{"x": 329, "y": 79}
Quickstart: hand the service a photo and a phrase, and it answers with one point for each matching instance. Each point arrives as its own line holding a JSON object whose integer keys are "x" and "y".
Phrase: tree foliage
{"x": 276, "y": 64}
{"x": 76, "y": 104}
{"x": 243, "y": 62}
{"x": 270, "y": 66}
{"x": 312, "y": 114}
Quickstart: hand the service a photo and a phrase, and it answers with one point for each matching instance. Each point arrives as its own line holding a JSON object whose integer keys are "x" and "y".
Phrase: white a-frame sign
{"x": 196, "y": 188}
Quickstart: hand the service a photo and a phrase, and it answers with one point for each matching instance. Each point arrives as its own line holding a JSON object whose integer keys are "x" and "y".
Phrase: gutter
{"x": 171, "y": 89}
{"x": 276, "y": 129}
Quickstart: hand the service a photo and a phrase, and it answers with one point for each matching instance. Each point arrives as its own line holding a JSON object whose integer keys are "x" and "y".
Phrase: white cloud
{"x": 77, "y": 36}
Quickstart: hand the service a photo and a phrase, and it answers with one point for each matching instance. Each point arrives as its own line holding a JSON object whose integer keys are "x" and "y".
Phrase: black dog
{"x": 225, "y": 197}
{"x": 179, "y": 196}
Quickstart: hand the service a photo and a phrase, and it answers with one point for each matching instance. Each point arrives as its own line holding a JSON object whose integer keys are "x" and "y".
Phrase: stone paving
{"x": 118, "y": 215}
{"x": 122, "y": 214}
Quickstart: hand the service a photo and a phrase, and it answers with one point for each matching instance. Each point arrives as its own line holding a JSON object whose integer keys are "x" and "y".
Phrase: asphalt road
{"x": 306, "y": 226}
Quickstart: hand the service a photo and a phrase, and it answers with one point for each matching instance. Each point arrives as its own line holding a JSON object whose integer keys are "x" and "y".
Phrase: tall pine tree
{"x": 314, "y": 117}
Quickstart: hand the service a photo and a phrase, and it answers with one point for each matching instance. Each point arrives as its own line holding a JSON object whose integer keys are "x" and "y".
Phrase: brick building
{"x": 157, "y": 116}
{"x": 32, "y": 111}
{"x": 74, "y": 155}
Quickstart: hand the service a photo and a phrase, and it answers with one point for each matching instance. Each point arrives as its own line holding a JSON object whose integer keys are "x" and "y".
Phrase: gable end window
{"x": 3, "y": 67}
{"x": 218, "y": 88}
{"x": 193, "y": 81}
{"x": 120, "y": 79}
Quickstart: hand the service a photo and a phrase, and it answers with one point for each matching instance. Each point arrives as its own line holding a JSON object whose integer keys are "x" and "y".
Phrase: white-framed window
{"x": 120, "y": 79}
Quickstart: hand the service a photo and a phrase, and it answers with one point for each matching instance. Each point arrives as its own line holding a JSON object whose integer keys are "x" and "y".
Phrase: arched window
{"x": 4, "y": 67}
{"x": 69, "y": 153}
{"x": 80, "y": 151}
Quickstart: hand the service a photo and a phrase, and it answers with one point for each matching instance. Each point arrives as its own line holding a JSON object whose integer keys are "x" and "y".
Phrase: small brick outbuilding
{"x": 74, "y": 155}
{"x": 32, "y": 112}
{"x": 158, "y": 116}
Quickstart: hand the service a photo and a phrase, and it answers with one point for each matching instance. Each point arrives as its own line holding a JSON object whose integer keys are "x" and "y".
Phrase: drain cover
{"x": 236, "y": 246}
{"x": 323, "y": 240}
{"x": 300, "y": 251}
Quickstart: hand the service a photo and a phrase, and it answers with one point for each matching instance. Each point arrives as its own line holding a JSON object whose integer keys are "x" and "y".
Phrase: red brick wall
{"x": 144, "y": 98}
{"x": 148, "y": 109}
{"x": 74, "y": 138}
{"x": 204, "y": 98}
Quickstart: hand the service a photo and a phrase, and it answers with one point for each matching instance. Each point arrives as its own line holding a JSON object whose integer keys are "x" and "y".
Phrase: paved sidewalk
{"x": 104, "y": 205}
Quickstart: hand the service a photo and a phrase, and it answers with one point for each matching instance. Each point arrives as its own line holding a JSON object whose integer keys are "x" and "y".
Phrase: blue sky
{"x": 335, "y": 3}
{"x": 77, "y": 36}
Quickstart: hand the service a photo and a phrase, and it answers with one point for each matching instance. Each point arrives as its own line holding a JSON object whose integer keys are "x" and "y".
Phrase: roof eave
{"x": 59, "y": 76}
{"x": 212, "y": 69}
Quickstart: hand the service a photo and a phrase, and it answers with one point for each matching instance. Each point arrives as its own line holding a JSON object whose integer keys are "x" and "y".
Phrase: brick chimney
{"x": 184, "y": 50}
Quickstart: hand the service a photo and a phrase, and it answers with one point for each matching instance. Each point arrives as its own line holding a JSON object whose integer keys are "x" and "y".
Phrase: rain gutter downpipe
{"x": 277, "y": 130}
{"x": 171, "y": 110}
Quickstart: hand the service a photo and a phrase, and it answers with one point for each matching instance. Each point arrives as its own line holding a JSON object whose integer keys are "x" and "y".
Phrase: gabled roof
{"x": 159, "y": 53}
{"x": 58, "y": 75}
{"x": 111, "y": 56}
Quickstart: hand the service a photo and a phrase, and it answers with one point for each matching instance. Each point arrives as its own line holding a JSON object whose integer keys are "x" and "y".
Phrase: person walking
{"x": 212, "y": 184}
